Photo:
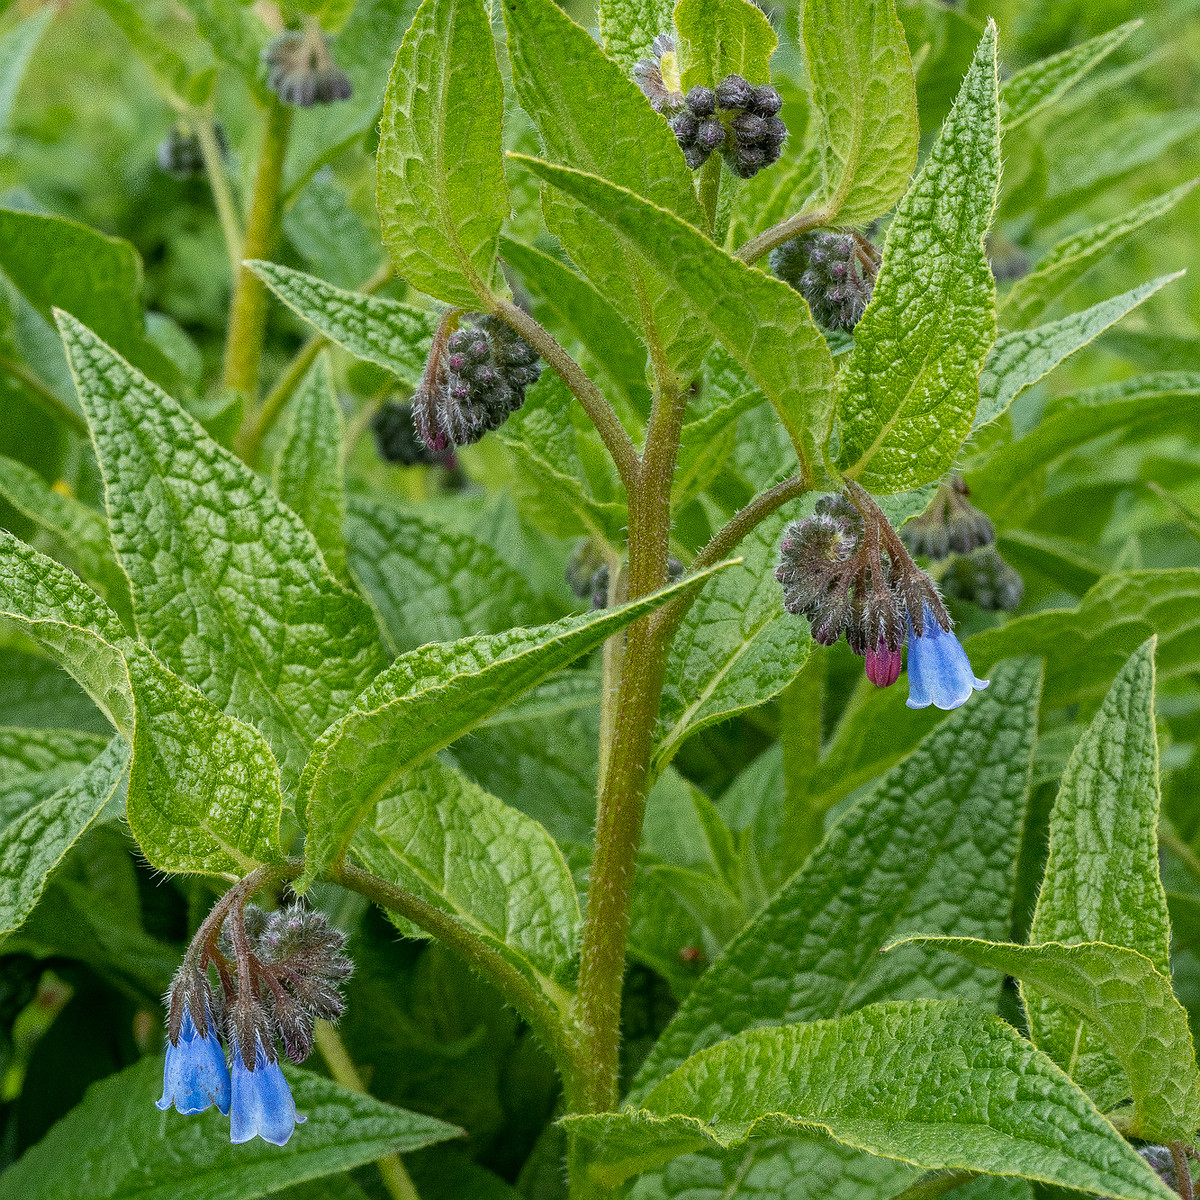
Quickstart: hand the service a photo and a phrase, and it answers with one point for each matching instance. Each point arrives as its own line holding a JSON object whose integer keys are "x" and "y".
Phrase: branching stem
{"x": 766, "y": 241}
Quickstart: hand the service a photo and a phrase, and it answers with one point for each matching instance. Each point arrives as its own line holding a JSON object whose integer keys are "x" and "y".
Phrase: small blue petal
{"x": 195, "y": 1076}
{"x": 938, "y": 670}
{"x": 262, "y": 1101}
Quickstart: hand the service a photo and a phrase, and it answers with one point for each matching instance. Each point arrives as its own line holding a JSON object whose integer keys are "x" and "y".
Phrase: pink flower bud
{"x": 883, "y": 665}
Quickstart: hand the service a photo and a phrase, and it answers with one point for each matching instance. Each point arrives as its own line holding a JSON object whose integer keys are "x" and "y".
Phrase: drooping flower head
{"x": 195, "y": 1076}
{"x": 951, "y": 523}
{"x": 986, "y": 578}
{"x": 834, "y": 270}
{"x": 301, "y": 71}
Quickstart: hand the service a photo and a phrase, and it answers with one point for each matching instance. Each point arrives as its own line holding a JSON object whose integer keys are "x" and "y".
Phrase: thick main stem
{"x": 248, "y": 312}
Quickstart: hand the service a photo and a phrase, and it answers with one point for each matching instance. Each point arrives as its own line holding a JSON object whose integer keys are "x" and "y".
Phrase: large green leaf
{"x": 230, "y": 590}
{"x": 1018, "y": 360}
{"x": 16, "y": 49}
{"x": 390, "y": 334}
{"x": 169, "y": 69}
{"x": 935, "y": 1083}
{"x": 866, "y": 103}
{"x": 764, "y": 324}
{"x": 117, "y": 1145}
{"x": 490, "y": 867}
{"x": 442, "y": 195}
{"x": 910, "y": 386}
{"x": 430, "y": 582}
{"x": 1129, "y": 1003}
{"x": 717, "y": 38}
{"x": 1101, "y": 882}
{"x": 36, "y": 693}
{"x": 308, "y": 464}
{"x": 936, "y": 841}
{"x": 35, "y": 763}
{"x": 1072, "y": 257}
{"x": 34, "y": 839}
{"x": 236, "y": 35}
{"x": 428, "y": 698}
{"x": 628, "y": 27}
{"x": 735, "y": 649}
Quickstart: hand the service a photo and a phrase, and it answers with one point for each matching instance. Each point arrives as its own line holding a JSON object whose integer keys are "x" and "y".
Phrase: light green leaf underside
{"x": 936, "y": 841}
{"x": 427, "y": 699}
{"x": 1018, "y": 360}
{"x": 735, "y": 649}
{"x": 35, "y": 763}
{"x": 1129, "y": 1003}
{"x": 935, "y": 1083}
{"x": 716, "y": 38}
{"x": 490, "y": 867}
{"x": 763, "y": 323}
{"x": 390, "y": 334}
{"x": 117, "y": 1145}
{"x": 866, "y": 104}
{"x": 441, "y": 194}
{"x": 1101, "y": 882}
{"x": 1071, "y": 258}
{"x": 34, "y": 839}
{"x": 628, "y": 27}
{"x": 308, "y": 465}
{"x": 230, "y": 590}
{"x": 910, "y": 386}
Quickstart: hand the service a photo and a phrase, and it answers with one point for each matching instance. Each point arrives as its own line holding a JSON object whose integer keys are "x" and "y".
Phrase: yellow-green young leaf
{"x": 428, "y": 698}
{"x": 722, "y": 37}
{"x": 763, "y": 323}
{"x": 1125, "y": 999}
{"x": 628, "y": 27}
{"x": 229, "y": 588}
{"x": 1101, "y": 882}
{"x": 493, "y": 869}
{"x": 936, "y": 841}
{"x": 34, "y": 839}
{"x": 1018, "y": 360}
{"x": 1067, "y": 261}
{"x": 115, "y": 1141}
{"x": 308, "y": 464}
{"x": 935, "y": 1083}
{"x": 866, "y": 105}
{"x": 390, "y": 334}
{"x": 910, "y": 386}
{"x": 442, "y": 195}
{"x": 1033, "y": 88}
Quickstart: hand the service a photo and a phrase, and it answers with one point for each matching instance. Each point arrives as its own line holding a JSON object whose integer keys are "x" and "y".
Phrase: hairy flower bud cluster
{"x": 985, "y": 578}
{"x": 474, "y": 380}
{"x": 180, "y": 156}
{"x": 301, "y": 71}
{"x": 950, "y": 523}
{"x": 737, "y": 118}
{"x": 396, "y": 438}
{"x": 833, "y": 270}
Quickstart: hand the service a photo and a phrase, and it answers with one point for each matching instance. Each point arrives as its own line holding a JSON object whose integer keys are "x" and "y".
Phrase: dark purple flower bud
{"x": 397, "y": 441}
{"x": 685, "y": 125}
{"x": 710, "y": 134}
{"x": 748, "y": 127}
{"x": 701, "y": 101}
{"x": 765, "y": 101}
{"x": 835, "y": 272}
{"x": 734, "y": 92}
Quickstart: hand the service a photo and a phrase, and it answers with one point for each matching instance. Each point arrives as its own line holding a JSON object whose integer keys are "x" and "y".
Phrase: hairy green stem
{"x": 248, "y": 311}
{"x": 395, "y": 1177}
{"x": 218, "y": 181}
{"x": 43, "y": 397}
{"x": 766, "y": 241}
{"x": 800, "y": 708}
{"x": 1183, "y": 1170}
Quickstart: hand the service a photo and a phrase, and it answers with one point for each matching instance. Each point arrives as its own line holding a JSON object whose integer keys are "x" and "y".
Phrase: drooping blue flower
{"x": 938, "y": 670}
{"x": 262, "y": 1101}
{"x": 195, "y": 1075}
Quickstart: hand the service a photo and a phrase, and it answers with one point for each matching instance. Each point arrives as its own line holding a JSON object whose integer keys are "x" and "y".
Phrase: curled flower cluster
{"x": 396, "y": 438}
{"x": 179, "y": 154}
{"x": 833, "y": 270}
{"x": 846, "y": 570}
{"x": 301, "y": 71}
{"x": 278, "y": 974}
{"x": 475, "y": 378}
{"x": 953, "y": 525}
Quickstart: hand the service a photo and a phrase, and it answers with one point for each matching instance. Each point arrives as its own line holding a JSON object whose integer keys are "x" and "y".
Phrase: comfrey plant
{"x": 657, "y": 653}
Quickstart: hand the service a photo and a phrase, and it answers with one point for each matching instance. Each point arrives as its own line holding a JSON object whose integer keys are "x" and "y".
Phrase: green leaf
{"x": 35, "y": 763}
{"x": 425, "y": 700}
{"x": 442, "y": 195}
{"x": 1018, "y": 360}
{"x": 431, "y": 583}
{"x": 229, "y": 588}
{"x": 490, "y": 867}
{"x": 16, "y": 49}
{"x": 80, "y": 532}
{"x": 628, "y": 27}
{"x": 1071, "y": 258}
{"x": 1125, "y": 999}
{"x": 764, "y": 324}
{"x": 308, "y": 465}
{"x": 910, "y": 386}
{"x": 938, "y": 1084}
{"x": 1034, "y": 88}
{"x": 1101, "y": 882}
{"x": 937, "y": 840}
{"x": 56, "y": 263}
{"x": 236, "y": 35}
{"x": 34, "y": 841}
{"x": 386, "y": 332}
{"x": 171, "y": 71}
{"x": 866, "y": 105}
{"x": 722, "y": 37}
{"x": 735, "y": 649}
{"x": 35, "y": 692}
{"x": 116, "y": 1144}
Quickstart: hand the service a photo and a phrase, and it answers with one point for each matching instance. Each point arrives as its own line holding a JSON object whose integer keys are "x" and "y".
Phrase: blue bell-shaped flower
{"x": 262, "y": 1101}
{"x": 938, "y": 670}
{"x": 195, "y": 1075}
